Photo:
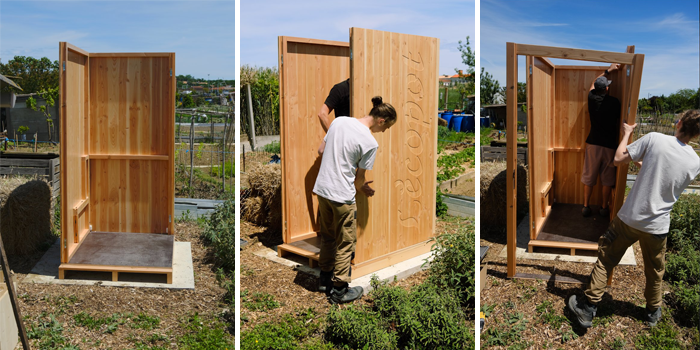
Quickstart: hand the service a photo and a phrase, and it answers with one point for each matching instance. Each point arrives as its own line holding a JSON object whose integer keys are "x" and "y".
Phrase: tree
{"x": 187, "y": 101}
{"x": 467, "y": 88}
{"x": 50, "y": 96}
{"x": 522, "y": 93}
{"x": 33, "y": 75}
{"x": 490, "y": 89}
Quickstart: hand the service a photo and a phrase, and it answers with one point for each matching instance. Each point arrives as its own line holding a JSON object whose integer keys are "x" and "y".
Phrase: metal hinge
{"x": 533, "y": 224}
{"x": 170, "y": 218}
{"x": 530, "y": 69}
{"x": 628, "y": 71}
{"x": 65, "y": 243}
{"x": 351, "y": 54}
{"x": 64, "y": 66}
{"x": 171, "y": 72}
{"x": 281, "y": 59}
{"x": 166, "y": 231}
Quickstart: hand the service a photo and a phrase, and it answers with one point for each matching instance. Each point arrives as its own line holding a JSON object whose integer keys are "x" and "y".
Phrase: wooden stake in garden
{"x": 191, "y": 150}
{"x": 13, "y": 298}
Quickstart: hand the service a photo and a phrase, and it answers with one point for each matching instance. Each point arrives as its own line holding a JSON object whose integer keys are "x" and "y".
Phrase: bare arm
{"x": 361, "y": 184}
{"x": 622, "y": 156}
{"x": 322, "y": 148}
{"x": 324, "y": 118}
{"x": 613, "y": 67}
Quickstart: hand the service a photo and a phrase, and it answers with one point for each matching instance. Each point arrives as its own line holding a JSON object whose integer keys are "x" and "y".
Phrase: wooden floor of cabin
{"x": 566, "y": 224}
{"x": 121, "y": 252}
{"x": 125, "y": 249}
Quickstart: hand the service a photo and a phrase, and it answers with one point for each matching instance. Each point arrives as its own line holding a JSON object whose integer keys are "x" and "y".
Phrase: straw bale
{"x": 253, "y": 210}
{"x": 25, "y": 214}
{"x": 494, "y": 195}
{"x": 264, "y": 204}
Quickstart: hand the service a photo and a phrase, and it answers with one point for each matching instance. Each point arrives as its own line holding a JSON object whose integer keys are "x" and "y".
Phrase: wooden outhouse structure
{"x": 117, "y": 161}
{"x": 557, "y": 106}
{"x": 397, "y": 222}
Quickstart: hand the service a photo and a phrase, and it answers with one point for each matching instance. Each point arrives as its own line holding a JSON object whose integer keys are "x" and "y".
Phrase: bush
{"x": 358, "y": 328}
{"x": 685, "y": 222}
{"x": 273, "y": 147}
{"x": 220, "y": 232}
{"x": 440, "y": 206}
{"x": 453, "y": 263}
{"x": 291, "y": 333}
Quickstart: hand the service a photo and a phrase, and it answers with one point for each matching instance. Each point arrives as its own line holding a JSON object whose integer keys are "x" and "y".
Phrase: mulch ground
{"x": 172, "y": 307}
{"x": 620, "y": 318}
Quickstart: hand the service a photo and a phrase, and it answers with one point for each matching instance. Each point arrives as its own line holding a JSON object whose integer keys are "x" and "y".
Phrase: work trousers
{"x": 338, "y": 238}
{"x": 612, "y": 246}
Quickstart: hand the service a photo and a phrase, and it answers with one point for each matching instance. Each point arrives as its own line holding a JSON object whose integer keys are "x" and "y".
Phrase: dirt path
{"x": 98, "y": 317}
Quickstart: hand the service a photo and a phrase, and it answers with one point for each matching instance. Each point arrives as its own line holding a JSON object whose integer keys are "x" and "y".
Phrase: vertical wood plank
{"x": 511, "y": 141}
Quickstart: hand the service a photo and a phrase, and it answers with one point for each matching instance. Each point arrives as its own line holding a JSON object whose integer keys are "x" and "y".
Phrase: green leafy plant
{"x": 22, "y": 129}
{"x": 440, "y": 206}
{"x": 451, "y": 165}
{"x": 259, "y": 301}
{"x": 49, "y": 95}
{"x": 202, "y": 336}
{"x": 219, "y": 231}
{"x": 292, "y": 333}
{"x": 273, "y": 147}
{"x": 453, "y": 262}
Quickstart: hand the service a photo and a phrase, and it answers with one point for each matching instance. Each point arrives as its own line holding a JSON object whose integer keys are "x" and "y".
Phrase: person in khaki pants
{"x": 347, "y": 152}
{"x": 668, "y": 165}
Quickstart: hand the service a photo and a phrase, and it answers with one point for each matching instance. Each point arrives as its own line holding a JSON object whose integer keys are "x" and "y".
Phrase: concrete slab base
{"x": 398, "y": 271}
{"x": 8, "y": 328}
{"x": 521, "y": 252}
{"x": 46, "y": 271}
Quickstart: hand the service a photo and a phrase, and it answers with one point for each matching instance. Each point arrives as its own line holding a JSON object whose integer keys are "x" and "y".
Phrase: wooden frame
{"x": 557, "y": 105}
{"x": 117, "y": 149}
{"x": 399, "y": 220}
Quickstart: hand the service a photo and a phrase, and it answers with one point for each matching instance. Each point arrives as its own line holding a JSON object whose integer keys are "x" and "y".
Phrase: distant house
{"x": 451, "y": 80}
{"x": 497, "y": 114}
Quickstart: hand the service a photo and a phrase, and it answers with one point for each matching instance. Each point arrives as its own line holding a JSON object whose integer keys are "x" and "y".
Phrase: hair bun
{"x": 376, "y": 101}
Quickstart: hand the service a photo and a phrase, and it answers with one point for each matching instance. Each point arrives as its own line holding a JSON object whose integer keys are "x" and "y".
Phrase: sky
{"x": 201, "y": 33}
{"x": 667, "y": 33}
{"x": 263, "y": 21}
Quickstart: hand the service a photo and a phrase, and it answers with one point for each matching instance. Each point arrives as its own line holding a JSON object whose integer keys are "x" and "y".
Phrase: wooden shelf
{"x": 127, "y": 156}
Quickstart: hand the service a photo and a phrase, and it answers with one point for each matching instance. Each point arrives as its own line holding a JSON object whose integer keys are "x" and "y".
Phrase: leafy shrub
{"x": 440, "y": 206}
{"x": 203, "y": 336}
{"x": 484, "y": 138}
{"x": 291, "y": 333}
{"x": 229, "y": 167}
{"x": 660, "y": 337}
{"x": 453, "y": 263}
{"x": 220, "y": 232}
{"x": 685, "y": 222}
{"x": 273, "y": 147}
{"x": 358, "y": 328}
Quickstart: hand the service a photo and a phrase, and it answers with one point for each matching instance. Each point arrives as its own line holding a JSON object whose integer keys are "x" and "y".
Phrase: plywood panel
{"x": 128, "y": 105}
{"x": 403, "y": 69}
{"x": 74, "y": 114}
{"x": 540, "y": 112}
{"x": 128, "y": 196}
{"x": 308, "y": 70}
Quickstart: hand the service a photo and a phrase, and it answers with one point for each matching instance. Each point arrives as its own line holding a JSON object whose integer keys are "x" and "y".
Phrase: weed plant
{"x": 220, "y": 232}
{"x": 292, "y": 333}
{"x": 451, "y": 164}
{"x": 452, "y": 267}
{"x": 440, "y": 206}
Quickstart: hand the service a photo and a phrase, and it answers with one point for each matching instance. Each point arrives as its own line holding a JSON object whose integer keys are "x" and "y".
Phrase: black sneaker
{"x": 583, "y": 310}
{"x": 586, "y": 212}
{"x": 653, "y": 317}
{"x": 605, "y": 212}
{"x": 345, "y": 294}
{"x": 325, "y": 282}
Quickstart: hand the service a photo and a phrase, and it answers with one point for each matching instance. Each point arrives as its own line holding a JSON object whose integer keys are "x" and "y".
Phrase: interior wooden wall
{"x": 130, "y": 116}
{"x": 403, "y": 69}
{"x": 541, "y": 114}
{"x": 572, "y": 128}
{"x": 308, "y": 70}
{"x": 74, "y": 97}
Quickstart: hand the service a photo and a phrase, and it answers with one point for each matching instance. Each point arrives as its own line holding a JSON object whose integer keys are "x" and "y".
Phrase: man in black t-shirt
{"x": 604, "y": 112}
{"x": 339, "y": 100}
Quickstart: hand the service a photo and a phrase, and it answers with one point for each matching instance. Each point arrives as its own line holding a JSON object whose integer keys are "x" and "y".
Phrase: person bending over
{"x": 668, "y": 165}
{"x": 347, "y": 152}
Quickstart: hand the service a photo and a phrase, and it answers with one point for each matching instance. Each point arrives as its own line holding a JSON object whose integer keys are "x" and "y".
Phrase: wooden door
{"x": 74, "y": 96}
{"x": 308, "y": 70}
{"x": 540, "y": 86}
{"x": 403, "y": 69}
